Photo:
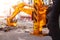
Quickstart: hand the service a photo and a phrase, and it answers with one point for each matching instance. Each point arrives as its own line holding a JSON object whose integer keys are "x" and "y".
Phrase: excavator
{"x": 37, "y": 11}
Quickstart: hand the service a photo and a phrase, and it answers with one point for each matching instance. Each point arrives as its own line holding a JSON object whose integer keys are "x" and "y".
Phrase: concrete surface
{"x": 19, "y": 35}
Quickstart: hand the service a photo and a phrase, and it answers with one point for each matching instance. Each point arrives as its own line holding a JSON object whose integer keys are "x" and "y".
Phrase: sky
{"x": 6, "y": 6}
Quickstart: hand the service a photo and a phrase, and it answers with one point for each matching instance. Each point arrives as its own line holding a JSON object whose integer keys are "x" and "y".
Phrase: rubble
{"x": 45, "y": 31}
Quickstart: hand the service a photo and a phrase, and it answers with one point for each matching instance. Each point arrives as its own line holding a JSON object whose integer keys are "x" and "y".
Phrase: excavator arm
{"x": 18, "y": 9}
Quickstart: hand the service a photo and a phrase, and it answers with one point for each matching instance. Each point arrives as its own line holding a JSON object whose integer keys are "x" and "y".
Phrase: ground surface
{"x": 19, "y": 35}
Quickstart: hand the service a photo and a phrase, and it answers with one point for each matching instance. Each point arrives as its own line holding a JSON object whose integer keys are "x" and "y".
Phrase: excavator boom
{"x": 18, "y": 9}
